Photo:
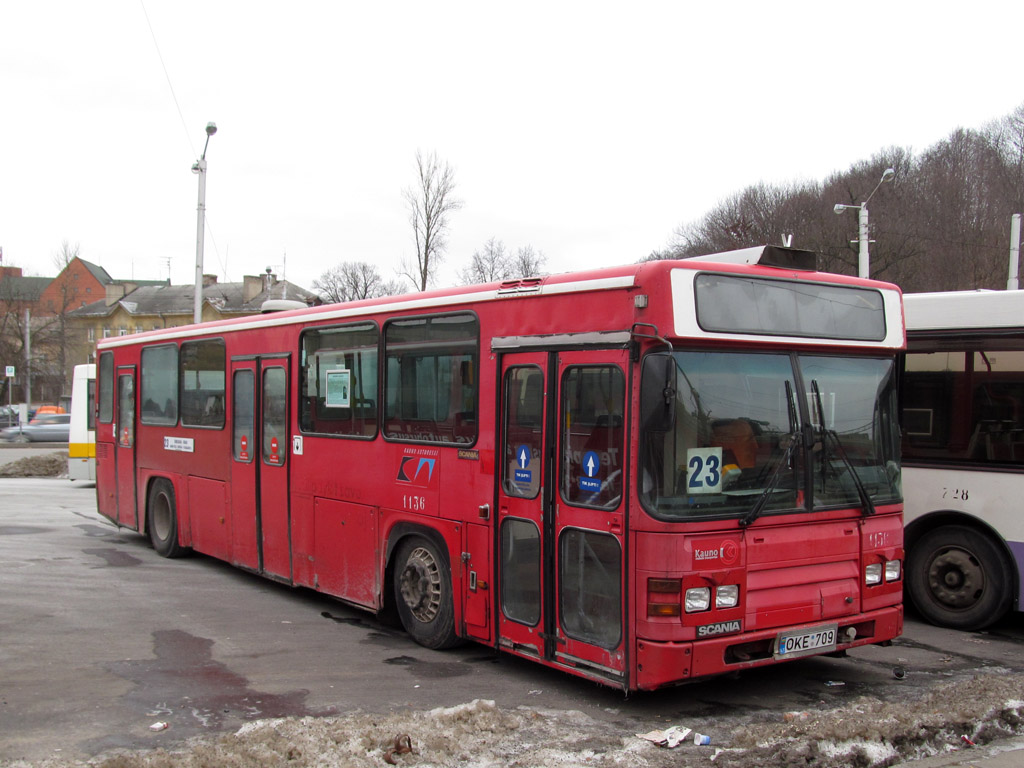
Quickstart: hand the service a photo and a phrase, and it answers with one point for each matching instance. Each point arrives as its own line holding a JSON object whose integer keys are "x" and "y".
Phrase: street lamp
{"x": 863, "y": 263}
{"x": 199, "y": 167}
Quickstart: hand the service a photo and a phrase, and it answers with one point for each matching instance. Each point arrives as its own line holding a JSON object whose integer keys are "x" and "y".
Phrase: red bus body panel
{"x": 327, "y": 512}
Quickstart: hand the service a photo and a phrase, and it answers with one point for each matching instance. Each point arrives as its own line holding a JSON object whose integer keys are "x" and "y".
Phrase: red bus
{"x": 639, "y": 475}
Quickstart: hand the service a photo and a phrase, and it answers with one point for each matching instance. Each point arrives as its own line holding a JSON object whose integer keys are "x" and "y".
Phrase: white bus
{"x": 82, "y": 440}
{"x": 963, "y": 455}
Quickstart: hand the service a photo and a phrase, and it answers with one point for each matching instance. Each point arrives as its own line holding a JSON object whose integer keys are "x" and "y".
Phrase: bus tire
{"x": 423, "y": 593}
{"x": 162, "y": 519}
{"x": 958, "y": 577}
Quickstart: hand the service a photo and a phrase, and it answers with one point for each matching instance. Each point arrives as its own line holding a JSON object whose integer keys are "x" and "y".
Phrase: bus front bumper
{"x": 670, "y": 663}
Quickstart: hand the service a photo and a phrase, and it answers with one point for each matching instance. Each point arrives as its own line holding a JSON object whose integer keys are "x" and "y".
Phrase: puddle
{"x": 97, "y": 531}
{"x": 185, "y": 687}
{"x": 431, "y": 670}
{"x": 22, "y": 530}
{"x": 115, "y": 558}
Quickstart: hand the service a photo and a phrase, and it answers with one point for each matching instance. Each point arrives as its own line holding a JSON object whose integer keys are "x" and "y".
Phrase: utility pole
{"x": 28, "y": 359}
{"x": 200, "y": 168}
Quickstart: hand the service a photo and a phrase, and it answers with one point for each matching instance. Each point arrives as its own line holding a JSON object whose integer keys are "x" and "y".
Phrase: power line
{"x": 167, "y": 74}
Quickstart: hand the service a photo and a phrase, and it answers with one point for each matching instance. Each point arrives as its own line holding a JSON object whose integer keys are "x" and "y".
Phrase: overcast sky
{"x": 588, "y": 130}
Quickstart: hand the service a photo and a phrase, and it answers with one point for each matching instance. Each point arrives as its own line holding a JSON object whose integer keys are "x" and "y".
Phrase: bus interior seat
{"x": 214, "y": 408}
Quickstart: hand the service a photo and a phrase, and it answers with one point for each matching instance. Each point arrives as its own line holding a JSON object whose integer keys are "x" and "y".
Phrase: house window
{"x": 106, "y": 333}
{"x": 138, "y": 329}
{"x": 122, "y": 331}
{"x": 92, "y": 334}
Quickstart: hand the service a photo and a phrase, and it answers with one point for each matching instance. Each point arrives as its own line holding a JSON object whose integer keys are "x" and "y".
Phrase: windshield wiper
{"x": 865, "y": 498}
{"x": 755, "y": 511}
{"x": 867, "y": 505}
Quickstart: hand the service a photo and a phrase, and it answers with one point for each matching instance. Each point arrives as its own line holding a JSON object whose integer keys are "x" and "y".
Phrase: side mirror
{"x": 658, "y": 393}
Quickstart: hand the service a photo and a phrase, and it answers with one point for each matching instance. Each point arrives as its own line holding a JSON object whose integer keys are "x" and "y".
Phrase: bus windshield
{"x": 755, "y": 433}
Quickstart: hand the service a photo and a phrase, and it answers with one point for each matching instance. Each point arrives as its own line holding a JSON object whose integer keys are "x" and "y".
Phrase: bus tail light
{"x": 698, "y": 599}
{"x": 893, "y": 569}
{"x": 668, "y": 591}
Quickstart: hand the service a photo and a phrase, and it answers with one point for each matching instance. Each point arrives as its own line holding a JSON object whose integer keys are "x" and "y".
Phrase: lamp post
{"x": 199, "y": 167}
{"x": 863, "y": 262}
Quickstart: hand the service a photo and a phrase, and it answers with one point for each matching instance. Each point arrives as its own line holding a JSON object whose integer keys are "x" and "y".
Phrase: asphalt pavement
{"x": 70, "y": 577}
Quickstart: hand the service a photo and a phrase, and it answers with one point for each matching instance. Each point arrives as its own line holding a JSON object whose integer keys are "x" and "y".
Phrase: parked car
{"x": 47, "y": 409}
{"x": 8, "y": 415}
{"x": 47, "y": 428}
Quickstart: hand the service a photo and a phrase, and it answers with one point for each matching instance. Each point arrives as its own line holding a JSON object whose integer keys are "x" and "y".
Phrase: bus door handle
{"x": 484, "y": 511}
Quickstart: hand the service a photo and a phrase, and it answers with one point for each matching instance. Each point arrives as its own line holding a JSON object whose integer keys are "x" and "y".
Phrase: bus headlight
{"x": 698, "y": 599}
{"x": 873, "y": 574}
{"x": 892, "y": 570}
{"x": 727, "y": 596}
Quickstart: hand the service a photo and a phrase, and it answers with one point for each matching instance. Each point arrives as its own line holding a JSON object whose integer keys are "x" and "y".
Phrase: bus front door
{"x": 124, "y": 448}
{"x": 561, "y": 509}
{"x": 260, "y": 510}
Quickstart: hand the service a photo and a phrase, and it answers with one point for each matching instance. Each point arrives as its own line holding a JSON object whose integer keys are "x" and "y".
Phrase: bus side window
{"x": 106, "y": 385}
{"x": 430, "y": 379}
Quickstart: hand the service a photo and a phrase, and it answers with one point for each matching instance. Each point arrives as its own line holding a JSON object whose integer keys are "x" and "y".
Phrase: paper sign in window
{"x": 338, "y": 389}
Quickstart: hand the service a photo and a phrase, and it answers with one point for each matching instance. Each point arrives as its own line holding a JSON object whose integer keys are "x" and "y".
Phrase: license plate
{"x": 804, "y": 642}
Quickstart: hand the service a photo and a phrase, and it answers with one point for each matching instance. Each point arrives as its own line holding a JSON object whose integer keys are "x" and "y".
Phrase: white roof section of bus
{"x": 964, "y": 309}
{"x": 740, "y": 256}
{"x": 686, "y": 325}
{"x": 363, "y": 309}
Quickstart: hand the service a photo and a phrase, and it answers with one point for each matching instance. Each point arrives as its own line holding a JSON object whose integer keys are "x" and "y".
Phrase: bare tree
{"x": 352, "y": 281}
{"x": 67, "y": 298}
{"x": 487, "y": 265}
{"x": 494, "y": 262}
{"x": 528, "y": 262}
{"x": 430, "y": 202}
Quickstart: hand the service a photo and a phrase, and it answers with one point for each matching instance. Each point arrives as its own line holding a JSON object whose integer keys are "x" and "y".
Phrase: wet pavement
{"x": 100, "y": 639}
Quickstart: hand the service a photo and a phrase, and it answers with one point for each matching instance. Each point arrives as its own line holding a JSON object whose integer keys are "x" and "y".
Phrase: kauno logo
{"x": 728, "y": 553}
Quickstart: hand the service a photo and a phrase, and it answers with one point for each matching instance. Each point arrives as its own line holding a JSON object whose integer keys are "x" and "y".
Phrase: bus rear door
{"x": 124, "y": 447}
{"x": 260, "y": 512}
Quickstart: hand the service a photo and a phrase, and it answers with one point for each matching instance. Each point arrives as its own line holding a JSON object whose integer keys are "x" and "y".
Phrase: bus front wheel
{"x": 162, "y": 520}
{"x": 959, "y": 578}
{"x": 423, "y": 594}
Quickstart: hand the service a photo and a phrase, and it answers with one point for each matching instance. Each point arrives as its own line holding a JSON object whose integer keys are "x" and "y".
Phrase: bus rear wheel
{"x": 957, "y": 577}
{"x": 162, "y": 520}
{"x": 423, "y": 594}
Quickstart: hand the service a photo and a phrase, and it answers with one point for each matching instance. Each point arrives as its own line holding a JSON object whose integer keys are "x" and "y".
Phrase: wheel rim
{"x": 956, "y": 578}
{"x": 420, "y": 584}
{"x": 161, "y": 516}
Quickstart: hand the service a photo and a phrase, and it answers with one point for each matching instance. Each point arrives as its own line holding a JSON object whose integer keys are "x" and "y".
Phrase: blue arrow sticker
{"x": 523, "y": 456}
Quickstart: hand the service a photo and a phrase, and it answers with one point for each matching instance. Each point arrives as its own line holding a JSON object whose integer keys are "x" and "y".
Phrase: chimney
{"x": 252, "y": 286}
{"x": 114, "y": 293}
{"x": 209, "y": 280}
